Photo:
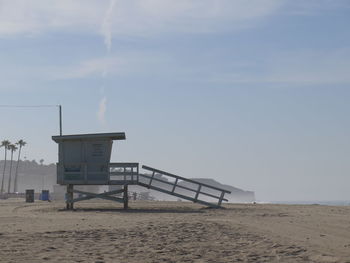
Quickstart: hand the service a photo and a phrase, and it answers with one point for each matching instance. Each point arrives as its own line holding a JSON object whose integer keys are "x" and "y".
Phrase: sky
{"x": 254, "y": 94}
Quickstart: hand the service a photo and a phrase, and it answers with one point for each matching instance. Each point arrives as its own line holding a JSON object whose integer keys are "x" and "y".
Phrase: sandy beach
{"x": 172, "y": 232}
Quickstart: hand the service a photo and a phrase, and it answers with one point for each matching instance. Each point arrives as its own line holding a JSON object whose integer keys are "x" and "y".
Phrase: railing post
{"x": 197, "y": 194}
{"x": 137, "y": 171}
{"x": 221, "y": 197}
{"x": 150, "y": 181}
{"x": 175, "y": 185}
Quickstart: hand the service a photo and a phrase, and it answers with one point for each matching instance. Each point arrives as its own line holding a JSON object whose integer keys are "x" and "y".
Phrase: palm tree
{"x": 12, "y": 148}
{"x": 43, "y": 179}
{"x": 4, "y": 144}
{"x": 21, "y": 144}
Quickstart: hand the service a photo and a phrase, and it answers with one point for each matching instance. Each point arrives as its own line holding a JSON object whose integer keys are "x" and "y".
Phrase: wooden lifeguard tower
{"x": 84, "y": 159}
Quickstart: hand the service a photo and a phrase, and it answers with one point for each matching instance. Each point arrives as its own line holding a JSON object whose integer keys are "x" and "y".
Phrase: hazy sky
{"x": 251, "y": 93}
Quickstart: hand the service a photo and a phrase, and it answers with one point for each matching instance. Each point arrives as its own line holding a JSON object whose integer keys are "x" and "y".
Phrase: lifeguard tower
{"x": 84, "y": 159}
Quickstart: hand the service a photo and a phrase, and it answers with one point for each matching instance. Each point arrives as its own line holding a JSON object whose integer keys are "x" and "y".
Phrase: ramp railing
{"x": 182, "y": 187}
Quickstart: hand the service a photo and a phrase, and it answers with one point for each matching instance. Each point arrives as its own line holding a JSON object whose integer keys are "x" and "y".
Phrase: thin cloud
{"x": 92, "y": 67}
{"x": 298, "y": 68}
{"x": 135, "y": 17}
{"x": 33, "y": 17}
{"x": 125, "y": 64}
{"x": 314, "y": 7}
{"x": 303, "y": 67}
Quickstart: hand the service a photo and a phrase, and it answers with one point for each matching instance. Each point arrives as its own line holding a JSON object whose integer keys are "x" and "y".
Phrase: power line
{"x": 38, "y": 106}
{"x": 27, "y": 106}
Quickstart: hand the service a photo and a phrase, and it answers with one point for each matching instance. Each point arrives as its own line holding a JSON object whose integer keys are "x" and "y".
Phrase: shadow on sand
{"x": 137, "y": 210}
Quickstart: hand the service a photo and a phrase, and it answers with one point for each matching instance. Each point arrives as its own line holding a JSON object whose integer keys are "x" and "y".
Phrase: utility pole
{"x": 60, "y": 118}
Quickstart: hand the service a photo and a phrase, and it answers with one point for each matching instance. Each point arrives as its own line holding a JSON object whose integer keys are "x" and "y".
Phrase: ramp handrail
{"x": 183, "y": 178}
{"x": 177, "y": 178}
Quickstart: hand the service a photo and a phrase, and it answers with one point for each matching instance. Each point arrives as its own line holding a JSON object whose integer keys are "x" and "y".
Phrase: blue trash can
{"x": 45, "y": 196}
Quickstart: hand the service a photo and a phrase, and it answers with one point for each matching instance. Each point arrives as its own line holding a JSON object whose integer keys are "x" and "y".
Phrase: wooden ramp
{"x": 182, "y": 187}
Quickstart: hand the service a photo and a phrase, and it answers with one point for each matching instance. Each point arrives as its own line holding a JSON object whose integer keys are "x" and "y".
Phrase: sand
{"x": 101, "y": 231}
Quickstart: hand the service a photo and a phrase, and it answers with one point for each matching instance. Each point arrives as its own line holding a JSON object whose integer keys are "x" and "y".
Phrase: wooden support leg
{"x": 69, "y": 201}
{"x": 67, "y": 198}
{"x": 126, "y": 198}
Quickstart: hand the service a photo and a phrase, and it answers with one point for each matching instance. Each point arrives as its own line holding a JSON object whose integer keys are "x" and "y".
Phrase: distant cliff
{"x": 237, "y": 195}
{"x": 31, "y": 175}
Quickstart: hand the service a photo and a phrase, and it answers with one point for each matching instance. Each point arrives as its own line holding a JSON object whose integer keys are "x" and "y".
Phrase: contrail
{"x": 102, "y": 110}
{"x": 107, "y": 25}
{"x": 107, "y": 34}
